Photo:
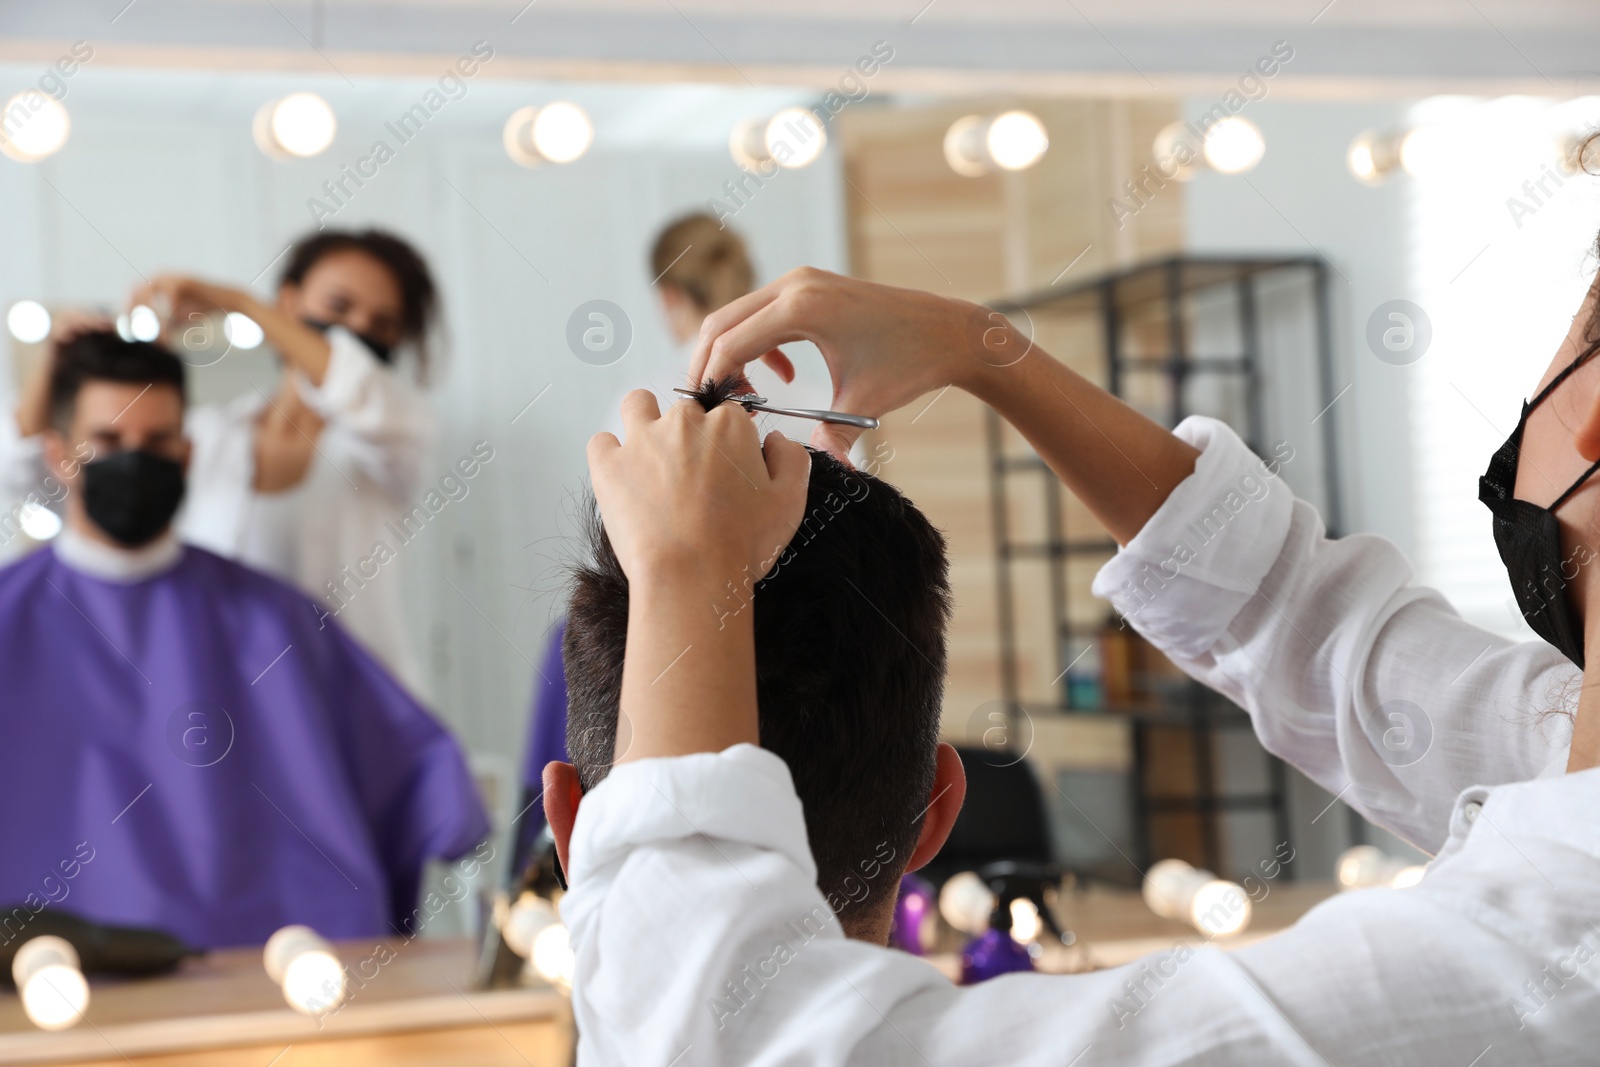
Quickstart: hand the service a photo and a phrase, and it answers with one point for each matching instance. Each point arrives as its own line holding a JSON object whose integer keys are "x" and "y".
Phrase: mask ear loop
{"x": 1583, "y": 357}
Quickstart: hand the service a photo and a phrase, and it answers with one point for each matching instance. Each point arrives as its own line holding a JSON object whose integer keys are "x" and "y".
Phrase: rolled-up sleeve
{"x": 1373, "y": 686}
{"x": 383, "y": 425}
{"x": 701, "y": 938}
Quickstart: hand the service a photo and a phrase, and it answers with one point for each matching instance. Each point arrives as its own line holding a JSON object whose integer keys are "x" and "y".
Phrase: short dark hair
{"x": 103, "y": 356}
{"x": 850, "y": 664}
{"x": 419, "y": 296}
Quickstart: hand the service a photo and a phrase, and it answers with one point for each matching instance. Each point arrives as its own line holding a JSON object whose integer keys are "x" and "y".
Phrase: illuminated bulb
{"x": 794, "y": 138}
{"x": 303, "y": 964}
{"x": 964, "y": 148}
{"x": 747, "y": 143}
{"x": 38, "y": 521}
{"x": 1406, "y": 877}
{"x": 1177, "y": 890}
{"x": 1364, "y": 867}
{"x": 562, "y": 132}
{"x": 556, "y": 133}
{"x": 1360, "y": 159}
{"x": 36, "y": 126}
{"x": 529, "y": 917}
{"x": 1176, "y": 154}
{"x": 142, "y": 324}
{"x": 54, "y": 993}
{"x": 28, "y": 321}
{"x": 1016, "y": 140}
{"x": 553, "y": 957}
{"x": 298, "y": 126}
{"x": 1025, "y": 921}
{"x": 242, "y": 331}
{"x": 1219, "y": 908}
{"x": 1234, "y": 145}
{"x": 966, "y": 903}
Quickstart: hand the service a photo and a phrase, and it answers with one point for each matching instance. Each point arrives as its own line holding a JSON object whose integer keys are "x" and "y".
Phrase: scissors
{"x": 752, "y": 402}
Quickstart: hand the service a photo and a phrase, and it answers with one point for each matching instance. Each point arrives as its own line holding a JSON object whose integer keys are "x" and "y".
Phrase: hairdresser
{"x": 1323, "y": 641}
{"x": 305, "y": 481}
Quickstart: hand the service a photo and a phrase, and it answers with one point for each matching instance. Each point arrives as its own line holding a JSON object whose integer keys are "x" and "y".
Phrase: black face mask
{"x": 132, "y": 496}
{"x": 1529, "y": 537}
{"x": 384, "y": 352}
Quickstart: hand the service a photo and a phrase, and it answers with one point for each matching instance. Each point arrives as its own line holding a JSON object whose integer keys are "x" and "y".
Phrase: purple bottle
{"x": 991, "y": 954}
{"x": 994, "y": 952}
{"x": 913, "y": 926}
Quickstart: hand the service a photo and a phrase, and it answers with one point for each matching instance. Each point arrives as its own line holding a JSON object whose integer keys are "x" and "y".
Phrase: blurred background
{"x": 1214, "y": 208}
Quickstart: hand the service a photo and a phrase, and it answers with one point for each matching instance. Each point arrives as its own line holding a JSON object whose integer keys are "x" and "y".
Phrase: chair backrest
{"x": 1003, "y": 817}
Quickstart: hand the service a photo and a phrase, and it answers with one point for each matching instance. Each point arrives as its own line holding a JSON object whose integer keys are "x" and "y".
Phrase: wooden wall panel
{"x": 914, "y": 222}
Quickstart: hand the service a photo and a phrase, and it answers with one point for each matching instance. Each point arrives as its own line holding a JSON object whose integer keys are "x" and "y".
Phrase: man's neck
{"x": 94, "y": 554}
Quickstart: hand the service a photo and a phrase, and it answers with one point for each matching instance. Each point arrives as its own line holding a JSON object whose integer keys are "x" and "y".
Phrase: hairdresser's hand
{"x": 175, "y": 297}
{"x": 694, "y": 508}
{"x": 884, "y": 346}
{"x": 33, "y": 402}
{"x": 180, "y": 300}
{"x": 693, "y": 491}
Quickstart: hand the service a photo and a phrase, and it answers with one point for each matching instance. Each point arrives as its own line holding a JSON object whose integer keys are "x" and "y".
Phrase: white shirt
{"x": 691, "y": 874}
{"x": 363, "y": 481}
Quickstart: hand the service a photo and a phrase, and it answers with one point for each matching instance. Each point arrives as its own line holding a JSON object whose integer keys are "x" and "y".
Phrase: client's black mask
{"x": 132, "y": 496}
{"x": 1529, "y": 537}
{"x": 384, "y": 352}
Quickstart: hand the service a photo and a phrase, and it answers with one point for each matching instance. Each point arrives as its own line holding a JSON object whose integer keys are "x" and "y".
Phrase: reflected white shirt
{"x": 688, "y": 873}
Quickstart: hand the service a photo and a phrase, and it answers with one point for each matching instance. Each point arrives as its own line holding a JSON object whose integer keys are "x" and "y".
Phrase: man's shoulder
{"x": 242, "y": 580}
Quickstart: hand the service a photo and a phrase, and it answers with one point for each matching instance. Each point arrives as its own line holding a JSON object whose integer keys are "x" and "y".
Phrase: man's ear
{"x": 562, "y": 795}
{"x": 949, "y": 790}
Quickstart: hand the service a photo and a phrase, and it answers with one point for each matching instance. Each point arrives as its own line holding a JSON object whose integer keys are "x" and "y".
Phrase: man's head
{"x": 850, "y": 660}
{"x": 122, "y": 401}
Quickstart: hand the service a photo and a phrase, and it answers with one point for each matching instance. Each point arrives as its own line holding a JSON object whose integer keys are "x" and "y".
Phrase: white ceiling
{"x": 1139, "y": 47}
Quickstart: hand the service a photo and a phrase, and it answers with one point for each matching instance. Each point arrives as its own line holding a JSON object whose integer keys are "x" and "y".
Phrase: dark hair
{"x": 850, "y": 662}
{"x": 103, "y": 356}
{"x": 419, "y": 297}
{"x": 697, "y": 255}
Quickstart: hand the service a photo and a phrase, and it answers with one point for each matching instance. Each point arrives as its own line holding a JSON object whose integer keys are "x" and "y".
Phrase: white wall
{"x": 1302, "y": 200}
{"x": 161, "y": 174}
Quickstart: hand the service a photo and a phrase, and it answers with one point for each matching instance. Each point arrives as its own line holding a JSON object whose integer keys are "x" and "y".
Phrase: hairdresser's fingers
{"x": 788, "y": 463}
{"x": 639, "y": 409}
{"x": 717, "y": 323}
{"x": 780, "y": 365}
{"x": 753, "y": 338}
{"x": 834, "y": 438}
{"x": 599, "y": 452}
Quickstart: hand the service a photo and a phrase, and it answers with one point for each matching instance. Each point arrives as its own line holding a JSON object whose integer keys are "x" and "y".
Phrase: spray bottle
{"x": 995, "y": 952}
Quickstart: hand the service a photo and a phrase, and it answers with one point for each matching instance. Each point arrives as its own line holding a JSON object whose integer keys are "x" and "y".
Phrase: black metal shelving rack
{"x": 1199, "y": 710}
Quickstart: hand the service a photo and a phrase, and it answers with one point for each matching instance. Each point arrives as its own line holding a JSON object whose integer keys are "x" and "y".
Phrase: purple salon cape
{"x": 229, "y": 762}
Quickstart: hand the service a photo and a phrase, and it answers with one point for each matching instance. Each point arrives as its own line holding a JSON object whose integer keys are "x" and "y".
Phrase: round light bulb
{"x": 301, "y": 124}
{"x": 1169, "y": 886}
{"x": 964, "y": 148}
{"x": 529, "y": 917}
{"x": 303, "y": 964}
{"x": 562, "y": 132}
{"x": 1175, "y": 152}
{"x": 143, "y": 323}
{"x": 36, "y": 126}
{"x": 1016, "y": 140}
{"x": 794, "y": 137}
{"x": 38, "y": 521}
{"x": 1234, "y": 145}
{"x": 1025, "y": 922}
{"x": 1361, "y": 161}
{"x": 314, "y": 982}
{"x": 1407, "y": 876}
{"x": 966, "y": 903}
{"x": 54, "y": 992}
{"x": 242, "y": 331}
{"x": 553, "y": 957}
{"x": 28, "y": 321}
{"x": 1219, "y": 908}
